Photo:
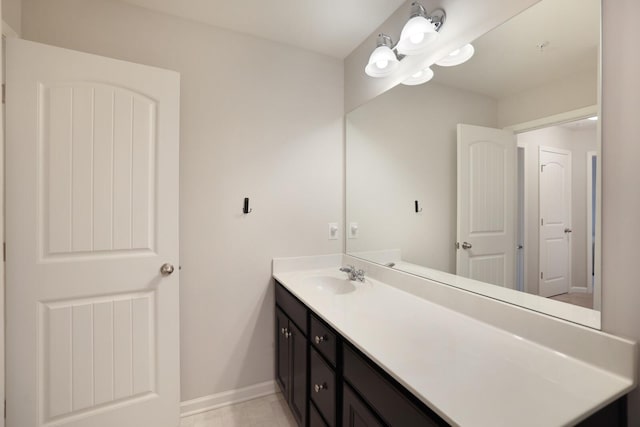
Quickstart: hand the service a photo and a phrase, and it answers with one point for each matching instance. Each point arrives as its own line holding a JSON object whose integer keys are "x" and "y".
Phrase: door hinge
{"x": 541, "y": 275}
{"x": 541, "y": 168}
{"x": 4, "y": 91}
{"x": 5, "y": 408}
{"x": 4, "y": 251}
{"x": 541, "y": 221}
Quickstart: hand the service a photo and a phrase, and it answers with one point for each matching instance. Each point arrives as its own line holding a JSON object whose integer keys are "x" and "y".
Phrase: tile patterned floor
{"x": 268, "y": 411}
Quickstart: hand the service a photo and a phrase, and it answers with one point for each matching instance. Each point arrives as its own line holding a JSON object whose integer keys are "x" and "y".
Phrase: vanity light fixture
{"x": 420, "y": 77}
{"x": 383, "y": 61}
{"x": 419, "y": 31}
{"x": 457, "y": 57}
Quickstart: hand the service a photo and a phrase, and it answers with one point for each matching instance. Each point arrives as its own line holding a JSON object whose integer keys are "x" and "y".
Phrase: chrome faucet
{"x": 353, "y": 273}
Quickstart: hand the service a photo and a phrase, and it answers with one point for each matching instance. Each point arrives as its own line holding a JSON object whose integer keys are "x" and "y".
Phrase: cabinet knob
{"x": 319, "y": 339}
{"x": 319, "y": 387}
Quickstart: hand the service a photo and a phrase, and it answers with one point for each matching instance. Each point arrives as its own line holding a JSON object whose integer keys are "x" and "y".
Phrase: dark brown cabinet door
{"x": 322, "y": 387}
{"x": 315, "y": 420}
{"x": 282, "y": 352}
{"x": 355, "y": 412}
{"x": 298, "y": 361}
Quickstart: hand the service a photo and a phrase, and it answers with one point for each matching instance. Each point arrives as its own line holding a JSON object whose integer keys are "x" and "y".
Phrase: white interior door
{"x": 92, "y": 214}
{"x": 486, "y": 205}
{"x": 555, "y": 221}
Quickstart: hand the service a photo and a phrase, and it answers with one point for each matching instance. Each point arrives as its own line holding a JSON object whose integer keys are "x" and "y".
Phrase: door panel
{"x": 92, "y": 214}
{"x": 555, "y": 220}
{"x": 486, "y": 205}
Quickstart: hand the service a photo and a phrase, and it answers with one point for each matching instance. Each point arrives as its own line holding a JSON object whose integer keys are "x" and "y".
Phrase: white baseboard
{"x": 578, "y": 290}
{"x": 218, "y": 400}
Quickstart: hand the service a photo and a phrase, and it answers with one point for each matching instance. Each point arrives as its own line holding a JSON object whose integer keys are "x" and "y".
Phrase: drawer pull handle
{"x": 320, "y": 339}
{"x": 319, "y": 387}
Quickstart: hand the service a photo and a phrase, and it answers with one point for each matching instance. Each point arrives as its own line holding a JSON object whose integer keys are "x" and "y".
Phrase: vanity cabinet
{"x": 291, "y": 353}
{"x": 328, "y": 382}
{"x": 339, "y": 380}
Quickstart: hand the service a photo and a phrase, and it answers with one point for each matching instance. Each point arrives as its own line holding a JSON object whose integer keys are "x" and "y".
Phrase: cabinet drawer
{"x": 388, "y": 400}
{"x": 292, "y": 307}
{"x": 315, "y": 420}
{"x": 323, "y": 339}
{"x": 355, "y": 413}
{"x": 323, "y": 387}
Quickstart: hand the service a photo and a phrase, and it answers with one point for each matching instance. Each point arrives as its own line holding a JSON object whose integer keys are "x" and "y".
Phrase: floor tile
{"x": 267, "y": 411}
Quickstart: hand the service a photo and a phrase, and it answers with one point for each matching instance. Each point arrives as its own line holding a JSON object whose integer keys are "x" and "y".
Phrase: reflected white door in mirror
{"x": 486, "y": 244}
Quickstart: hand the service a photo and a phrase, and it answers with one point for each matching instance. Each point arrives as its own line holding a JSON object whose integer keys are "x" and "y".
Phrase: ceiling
{"x": 509, "y": 61}
{"x": 330, "y": 27}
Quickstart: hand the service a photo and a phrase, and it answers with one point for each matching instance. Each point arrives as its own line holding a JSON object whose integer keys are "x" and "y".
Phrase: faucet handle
{"x": 347, "y": 269}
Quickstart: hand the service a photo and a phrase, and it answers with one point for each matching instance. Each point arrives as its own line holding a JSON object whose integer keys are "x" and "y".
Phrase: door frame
{"x": 570, "y": 259}
{"x": 7, "y": 32}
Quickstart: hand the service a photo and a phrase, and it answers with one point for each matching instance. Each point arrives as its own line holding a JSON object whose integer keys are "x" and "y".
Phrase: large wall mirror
{"x": 487, "y": 177}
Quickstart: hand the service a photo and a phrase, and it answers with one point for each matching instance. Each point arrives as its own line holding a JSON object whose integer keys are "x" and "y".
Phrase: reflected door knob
{"x": 166, "y": 269}
{"x": 466, "y": 245}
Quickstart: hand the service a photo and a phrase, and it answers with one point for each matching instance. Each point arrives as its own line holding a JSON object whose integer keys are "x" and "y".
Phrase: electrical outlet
{"x": 353, "y": 230}
{"x": 333, "y": 231}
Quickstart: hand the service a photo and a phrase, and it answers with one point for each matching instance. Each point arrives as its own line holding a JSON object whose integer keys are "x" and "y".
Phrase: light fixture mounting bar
{"x": 437, "y": 18}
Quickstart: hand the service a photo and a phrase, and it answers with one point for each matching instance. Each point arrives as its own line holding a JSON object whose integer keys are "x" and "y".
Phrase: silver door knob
{"x": 318, "y": 339}
{"x": 568, "y": 230}
{"x": 466, "y": 245}
{"x": 166, "y": 269}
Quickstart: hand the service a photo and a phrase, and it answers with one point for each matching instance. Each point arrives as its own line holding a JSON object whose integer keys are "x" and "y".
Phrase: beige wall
{"x": 621, "y": 180}
{"x": 578, "y": 142}
{"x": 401, "y": 147}
{"x": 258, "y": 119}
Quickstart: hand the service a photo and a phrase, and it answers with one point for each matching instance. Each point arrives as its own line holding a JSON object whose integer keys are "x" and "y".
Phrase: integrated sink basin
{"x": 332, "y": 285}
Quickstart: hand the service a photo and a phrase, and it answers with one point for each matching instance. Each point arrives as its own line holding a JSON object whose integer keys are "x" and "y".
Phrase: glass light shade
{"x": 382, "y": 62}
{"x": 416, "y": 36}
{"x": 457, "y": 57}
{"x": 420, "y": 77}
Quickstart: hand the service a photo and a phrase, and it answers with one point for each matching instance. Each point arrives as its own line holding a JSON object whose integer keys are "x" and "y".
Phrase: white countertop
{"x": 468, "y": 372}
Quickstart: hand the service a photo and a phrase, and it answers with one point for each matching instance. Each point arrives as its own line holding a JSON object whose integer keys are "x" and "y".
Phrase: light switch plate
{"x": 333, "y": 231}
{"x": 353, "y": 230}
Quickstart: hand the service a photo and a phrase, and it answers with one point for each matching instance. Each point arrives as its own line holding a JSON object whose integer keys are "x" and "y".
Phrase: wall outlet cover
{"x": 353, "y": 230}
{"x": 333, "y": 231}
